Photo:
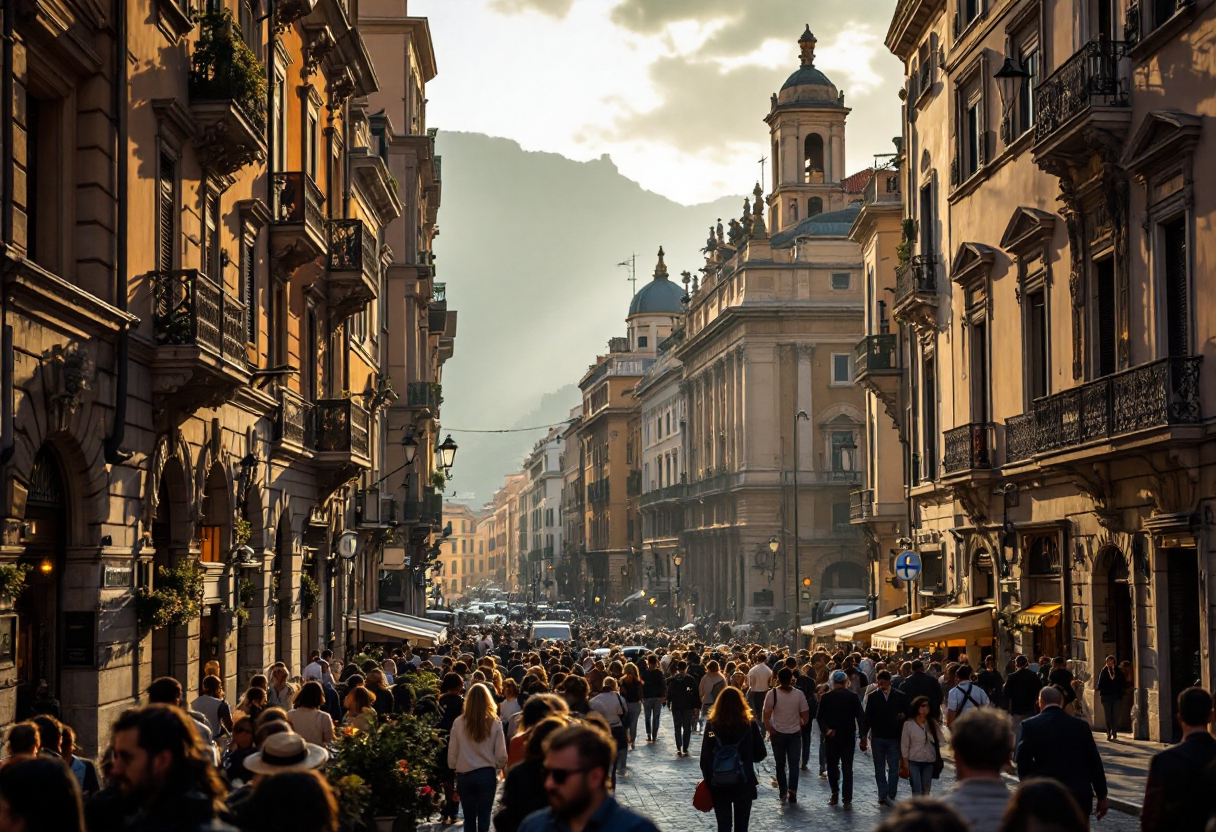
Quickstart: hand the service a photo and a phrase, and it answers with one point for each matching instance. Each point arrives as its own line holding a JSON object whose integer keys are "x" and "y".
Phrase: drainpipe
{"x": 271, "y": 346}
{"x": 6, "y": 240}
{"x": 114, "y": 452}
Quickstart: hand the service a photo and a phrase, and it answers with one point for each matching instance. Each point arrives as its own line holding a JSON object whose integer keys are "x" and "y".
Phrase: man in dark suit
{"x": 1178, "y": 796}
{"x": 840, "y": 717}
{"x": 886, "y": 709}
{"x": 1022, "y": 693}
{"x": 920, "y": 683}
{"x": 1057, "y": 745}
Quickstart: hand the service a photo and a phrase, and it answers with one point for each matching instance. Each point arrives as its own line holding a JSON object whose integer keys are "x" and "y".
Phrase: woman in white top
{"x": 280, "y": 692}
{"x": 919, "y": 745}
{"x": 308, "y": 720}
{"x": 612, "y": 706}
{"x": 510, "y": 703}
{"x": 477, "y": 752}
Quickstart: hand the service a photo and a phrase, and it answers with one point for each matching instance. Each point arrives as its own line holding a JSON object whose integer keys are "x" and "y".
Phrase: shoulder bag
{"x": 938, "y": 763}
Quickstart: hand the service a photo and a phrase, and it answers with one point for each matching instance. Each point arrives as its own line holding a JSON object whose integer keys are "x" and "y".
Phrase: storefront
{"x": 952, "y": 630}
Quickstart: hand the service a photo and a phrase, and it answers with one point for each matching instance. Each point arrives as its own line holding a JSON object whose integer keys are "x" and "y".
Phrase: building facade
{"x": 200, "y": 406}
{"x": 543, "y": 495}
{"x": 464, "y": 556}
{"x": 1053, "y": 326}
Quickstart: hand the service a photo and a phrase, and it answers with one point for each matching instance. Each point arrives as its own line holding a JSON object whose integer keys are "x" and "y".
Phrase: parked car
{"x": 550, "y": 631}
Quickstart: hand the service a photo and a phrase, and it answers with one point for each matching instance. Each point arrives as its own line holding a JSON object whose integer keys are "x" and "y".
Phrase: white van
{"x": 550, "y": 631}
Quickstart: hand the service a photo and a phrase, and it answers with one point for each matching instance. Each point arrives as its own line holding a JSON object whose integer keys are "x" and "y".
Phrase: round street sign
{"x": 347, "y": 544}
{"x": 907, "y": 566}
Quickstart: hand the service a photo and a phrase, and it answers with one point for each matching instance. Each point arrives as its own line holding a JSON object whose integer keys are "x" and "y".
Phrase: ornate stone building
{"x": 1053, "y": 325}
{"x": 199, "y": 231}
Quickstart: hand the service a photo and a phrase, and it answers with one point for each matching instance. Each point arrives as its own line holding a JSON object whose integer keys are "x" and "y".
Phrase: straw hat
{"x": 285, "y": 752}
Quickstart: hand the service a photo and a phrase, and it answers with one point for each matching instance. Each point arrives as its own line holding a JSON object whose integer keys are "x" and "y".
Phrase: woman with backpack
{"x": 732, "y": 746}
{"x": 612, "y": 706}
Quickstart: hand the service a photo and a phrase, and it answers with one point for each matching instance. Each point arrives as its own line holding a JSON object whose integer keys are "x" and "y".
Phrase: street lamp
{"x": 847, "y": 449}
{"x": 447, "y": 453}
{"x": 774, "y": 544}
{"x": 1009, "y": 80}
{"x": 800, "y": 415}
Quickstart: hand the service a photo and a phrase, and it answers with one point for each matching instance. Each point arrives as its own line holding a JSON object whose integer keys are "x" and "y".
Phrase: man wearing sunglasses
{"x": 577, "y": 761}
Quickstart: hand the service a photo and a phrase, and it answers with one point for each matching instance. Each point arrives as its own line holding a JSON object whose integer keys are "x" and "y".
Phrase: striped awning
{"x": 1040, "y": 615}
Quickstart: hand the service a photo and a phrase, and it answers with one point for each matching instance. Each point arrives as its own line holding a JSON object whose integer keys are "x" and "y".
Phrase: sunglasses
{"x": 561, "y": 775}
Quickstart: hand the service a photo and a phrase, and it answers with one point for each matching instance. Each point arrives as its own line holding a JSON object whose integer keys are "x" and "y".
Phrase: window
{"x": 1025, "y": 112}
{"x": 310, "y": 149}
{"x": 1036, "y": 345}
{"x": 968, "y": 11}
{"x": 248, "y": 24}
{"x": 793, "y": 218}
{"x": 979, "y": 371}
{"x": 840, "y": 516}
{"x": 925, "y": 228}
{"x": 1105, "y": 291}
{"x": 842, "y": 461}
{"x": 280, "y": 139}
{"x": 209, "y": 544}
{"x": 455, "y": 563}
{"x": 248, "y": 286}
{"x": 841, "y": 281}
{"x": 669, "y": 423}
{"x": 813, "y": 159}
{"x": 1163, "y": 10}
{"x": 211, "y": 235}
{"x": 814, "y": 207}
{"x": 641, "y": 341}
{"x": 842, "y": 368}
{"x": 166, "y": 214}
{"x": 929, "y": 418}
{"x": 1177, "y": 311}
{"x": 971, "y": 139}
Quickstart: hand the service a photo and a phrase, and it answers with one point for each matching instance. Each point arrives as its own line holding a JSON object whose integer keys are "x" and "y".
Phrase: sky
{"x": 675, "y": 91}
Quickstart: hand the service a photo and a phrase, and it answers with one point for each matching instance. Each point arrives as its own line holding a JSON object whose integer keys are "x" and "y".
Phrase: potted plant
{"x": 176, "y": 599}
{"x": 310, "y": 593}
{"x": 12, "y": 581}
{"x": 386, "y": 777}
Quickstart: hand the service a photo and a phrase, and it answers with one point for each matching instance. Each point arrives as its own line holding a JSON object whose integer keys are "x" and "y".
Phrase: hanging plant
{"x": 310, "y": 593}
{"x": 438, "y": 480}
{"x": 12, "y": 579}
{"x": 240, "y": 615}
{"x": 177, "y": 598}
{"x": 242, "y": 531}
{"x": 904, "y": 250}
{"x": 246, "y": 592}
{"x": 223, "y": 67}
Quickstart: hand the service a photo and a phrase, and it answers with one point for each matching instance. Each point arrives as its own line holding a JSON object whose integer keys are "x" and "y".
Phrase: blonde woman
{"x": 477, "y": 752}
{"x": 281, "y": 693}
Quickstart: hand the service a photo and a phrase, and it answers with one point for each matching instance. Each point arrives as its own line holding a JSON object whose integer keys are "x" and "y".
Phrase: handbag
{"x": 938, "y": 763}
{"x": 702, "y": 798}
{"x": 905, "y": 772}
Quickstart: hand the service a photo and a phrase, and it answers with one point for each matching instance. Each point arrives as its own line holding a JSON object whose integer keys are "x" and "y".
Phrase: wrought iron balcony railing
{"x": 1095, "y": 75}
{"x": 861, "y": 504}
{"x": 1019, "y": 438}
{"x": 422, "y": 394}
{"x": 352, "y": 247}
{"x": 918, "y": 276}
{"x": 968, "y": 448}
{"x": 299, "y": 201}
{"x": 190, "y": 310}
{"x": 875, "y": 353}
{"x": 341, "y": 426}
{"x": 659, "y": 495}
{"x": 291, "y": 420}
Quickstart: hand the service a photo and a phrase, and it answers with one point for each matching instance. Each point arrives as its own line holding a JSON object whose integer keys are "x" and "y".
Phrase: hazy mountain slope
{"x": 528, "y": 249}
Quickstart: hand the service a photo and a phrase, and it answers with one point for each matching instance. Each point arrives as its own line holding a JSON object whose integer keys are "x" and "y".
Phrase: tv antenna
{"x": 632, "y": 265}
{"x": 763, "y": 159}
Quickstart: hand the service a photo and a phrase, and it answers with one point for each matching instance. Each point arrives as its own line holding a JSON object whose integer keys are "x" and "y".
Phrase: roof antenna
{"x": 632, "y": 265}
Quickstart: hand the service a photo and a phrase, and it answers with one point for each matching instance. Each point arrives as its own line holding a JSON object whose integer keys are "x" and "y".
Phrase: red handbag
{"x": 702, "y": 799}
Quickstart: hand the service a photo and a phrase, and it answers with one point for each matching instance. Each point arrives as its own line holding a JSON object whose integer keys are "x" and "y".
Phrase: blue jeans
{"x": 886, "y": 766}
{"x": 787, "y": 748}
{"x": 922, "y": 777}
{"x": 652, "y": 709}
{"x": 635, "y": 710}
{"x": 683, "y": 722}
{"x": 476, "y": 789}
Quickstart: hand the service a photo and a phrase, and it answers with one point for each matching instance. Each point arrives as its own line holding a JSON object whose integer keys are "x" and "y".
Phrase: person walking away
{"x": 1110, "y": 690}
{"x": 981, "y": 741}
{"x": 1042, "y": 804}
{"x": 1178, "y": 796}
{"x": 730, "y": 750}
{"x": 759, "y": 679}
{"x": 990, "y": 681}
{"x": 39, "y": 795}
{"x": 804, "y": 682}
{"x": 577, "y": 763}
{"x": 654, "y": 692}
{"x": 920, "y": 745}
{"x": 477, "y": 752}
{"x": 1061, "y": 677}
{"x": 964, "y": 696}
{"x": 840, "y": 718}
{"x": 696, "y": 671}
{"x": 309, "y": 719}
{"x": 1057, "y": 745}
{"x": 710, "y": 685}
{"x": 631, "y": 688}
{"x": 611, "y": 705}
{"x": 886, "y": 709}
{"x": 785, "y": 712}
{"x": 1022, "y": 693}
{"x": 920, "y": 683}
{"x": 682, "y": 699}
{"x": 211, "y": 704}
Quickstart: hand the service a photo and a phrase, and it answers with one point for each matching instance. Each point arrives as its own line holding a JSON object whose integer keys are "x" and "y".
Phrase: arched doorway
{"x": 215, "y": 541}
{"x": 983, "y": 578}
{"x": 1113, "y": 598}
{"x": 844, "y": 579}
{"x": 171, "y": 530}
{"x": 37, "y": 606}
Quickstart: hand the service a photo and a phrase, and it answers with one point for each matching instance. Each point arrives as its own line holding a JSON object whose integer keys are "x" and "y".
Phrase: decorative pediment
{"x": 1162, "y": 137}
{"x": 971, "y": 261}
{"x": 1029, "y": 229}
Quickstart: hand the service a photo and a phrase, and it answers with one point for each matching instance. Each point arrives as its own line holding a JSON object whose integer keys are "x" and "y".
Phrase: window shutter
{"x": 249, "y": 289}
{"x": 1177, "y": 312}
{"x": 1106, "y": 317}
{"x": 167, "y": 208}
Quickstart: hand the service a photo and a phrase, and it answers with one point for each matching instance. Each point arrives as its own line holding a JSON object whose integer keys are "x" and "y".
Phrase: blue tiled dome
{"x": 660, "y": 296}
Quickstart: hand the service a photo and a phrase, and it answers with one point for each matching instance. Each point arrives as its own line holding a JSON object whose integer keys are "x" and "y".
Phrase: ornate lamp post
{"x": 800, "y": 415}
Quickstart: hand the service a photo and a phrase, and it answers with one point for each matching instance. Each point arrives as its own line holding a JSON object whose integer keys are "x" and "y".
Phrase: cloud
{"x": 552, "y": 8}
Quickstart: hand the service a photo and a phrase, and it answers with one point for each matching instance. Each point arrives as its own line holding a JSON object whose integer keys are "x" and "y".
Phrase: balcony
{"x": 876, "y": 368}
{"x": 354, "y": 268}
{"x": 297, "y": 231}
{"x": 861, "y": 506}
{"x": 916, "y": 292}
{"x": 341, "y": 441}
{"x": 968, "y": 448}
{"x": 424, "y": 395}
{"x": 437, "y": 311}
{"x": 227, "y": 97}
{"x": 1088, "y": 91}
{"x": 664, "y": 495}
{"x": 1163, "y": 394}
{"x": 291, "y": 423}
{"x": 200, "y": 340}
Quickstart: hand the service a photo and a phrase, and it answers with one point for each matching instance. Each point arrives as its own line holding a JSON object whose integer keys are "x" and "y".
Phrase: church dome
{"x": 660, "y": 296}
{"x": 808, "y": 87}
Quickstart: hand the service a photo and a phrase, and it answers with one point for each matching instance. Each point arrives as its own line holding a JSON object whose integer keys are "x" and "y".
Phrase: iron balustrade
{"x": 1093, "y": 76}
{"x": 352, "y": 247}
{"x": 291, "y": 424}
{"x": 341, "y": 426}
{"x": 298, "y": 201}
{"x": 968, "y": 448}
{"x": 861, "y": 504}
{"x": 190, "y": 310}
{"x": 917, "y": 276}
{"x": 875, "y": 353}
{"x": 1019, "y": 438}
{"x": 421, "y": 394}
{"x": 670, "y": 492}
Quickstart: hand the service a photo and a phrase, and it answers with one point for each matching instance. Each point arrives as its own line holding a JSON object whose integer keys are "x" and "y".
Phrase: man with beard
{"x": 577, "y": 761}
{"x": 163, "y": 775}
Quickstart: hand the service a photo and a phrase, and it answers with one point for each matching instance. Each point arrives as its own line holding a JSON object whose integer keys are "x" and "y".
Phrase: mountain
{"x": 528, "y": 249}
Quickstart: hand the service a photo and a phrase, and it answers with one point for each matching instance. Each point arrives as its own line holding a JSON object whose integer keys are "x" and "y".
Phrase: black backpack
{"x": 728, "y": 765}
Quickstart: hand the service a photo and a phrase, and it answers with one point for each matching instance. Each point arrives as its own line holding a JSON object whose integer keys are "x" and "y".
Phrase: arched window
{"x": 776, "y": 166}
{"x": 814, "y": 206}
{"x": 813, "y": 158}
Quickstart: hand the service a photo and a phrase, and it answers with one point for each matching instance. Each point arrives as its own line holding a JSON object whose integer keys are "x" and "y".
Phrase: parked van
{"x": 550, "y": 631}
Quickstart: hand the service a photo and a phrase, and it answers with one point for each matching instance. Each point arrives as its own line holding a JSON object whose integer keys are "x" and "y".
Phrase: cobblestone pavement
{"x": 661, "y": 785}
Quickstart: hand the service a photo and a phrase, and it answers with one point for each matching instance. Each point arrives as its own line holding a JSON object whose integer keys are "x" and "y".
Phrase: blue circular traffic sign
{"x": 907, "y": 566}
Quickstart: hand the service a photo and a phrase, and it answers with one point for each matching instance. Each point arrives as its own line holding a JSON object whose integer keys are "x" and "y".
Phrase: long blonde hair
{"x": 480, "y": 712}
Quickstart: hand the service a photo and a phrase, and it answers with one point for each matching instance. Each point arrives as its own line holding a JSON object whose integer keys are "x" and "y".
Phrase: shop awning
{"x": 826, "y": 628}
{"x": 862, "y": 632}
{"x": 420, "y": 631}
{"x": 952, "y": 626}
{"x": 1040, "y": 615}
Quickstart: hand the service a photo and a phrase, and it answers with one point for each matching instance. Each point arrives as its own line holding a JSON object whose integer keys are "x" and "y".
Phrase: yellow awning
{"x": 1040, "y": 615}
{"x": 823, "y": 628}
{"x": 952, "y": 626}
{"x": 862, "y": 632}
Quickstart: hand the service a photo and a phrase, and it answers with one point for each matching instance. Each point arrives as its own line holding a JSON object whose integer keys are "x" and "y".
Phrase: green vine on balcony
{"x": 903, "y": 251}
{"x": 310, "y": 593}
{"x": 12, "y": 579}
{"x": 246, "y": 592}
{"x": 242, "y": 531}
{"x": 438, "y": 480}
{"x": 223, "y": 67}
{"x": 177, "y": 598}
